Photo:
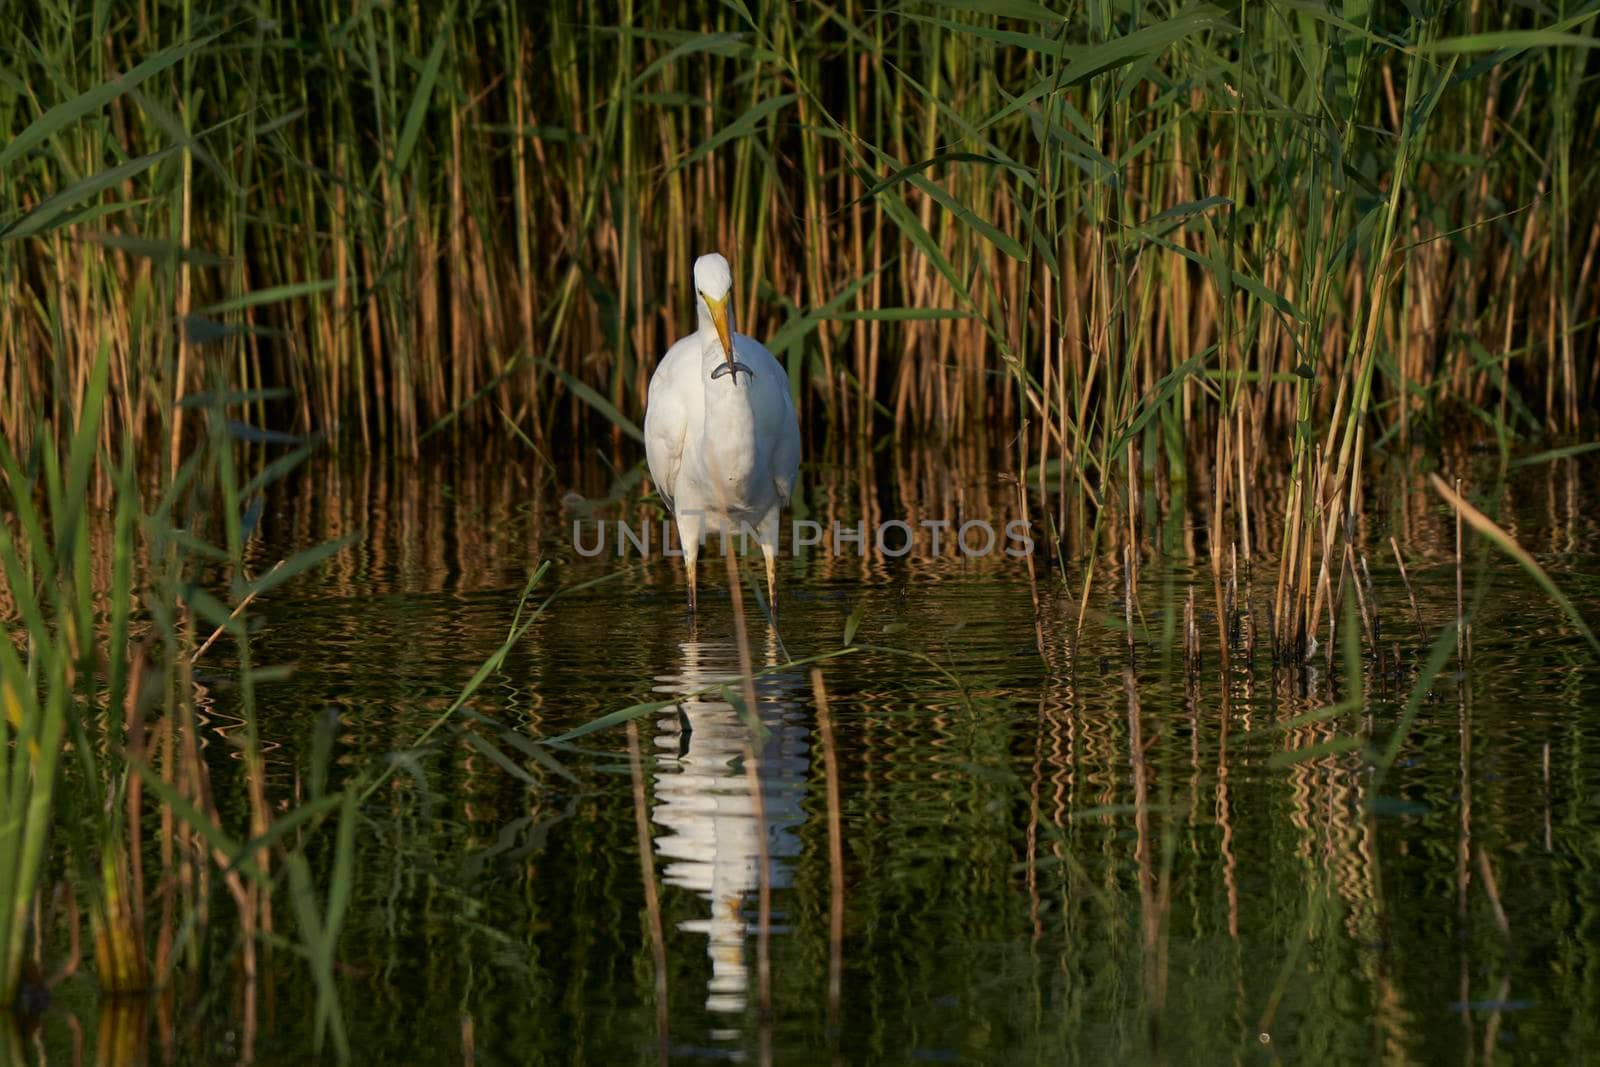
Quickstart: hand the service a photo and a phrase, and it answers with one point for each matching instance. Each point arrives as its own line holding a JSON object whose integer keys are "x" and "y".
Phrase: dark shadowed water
{"x": 1033, "y": 857}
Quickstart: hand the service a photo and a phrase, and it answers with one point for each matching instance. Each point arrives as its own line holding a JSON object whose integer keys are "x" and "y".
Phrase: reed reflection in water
{"x": 1043, "y": 864}
{"x": 710, "y": 822}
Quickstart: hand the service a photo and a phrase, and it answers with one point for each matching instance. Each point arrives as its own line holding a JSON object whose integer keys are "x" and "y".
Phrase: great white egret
{"x": 720, "y": 430}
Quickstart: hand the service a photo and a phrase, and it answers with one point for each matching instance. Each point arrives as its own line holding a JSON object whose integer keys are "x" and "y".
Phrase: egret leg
{"x": 768, "y": 534}
{"x": 691, "y": 555}
{"x": 690, "y": 525}
{"x": 772, "y": 577}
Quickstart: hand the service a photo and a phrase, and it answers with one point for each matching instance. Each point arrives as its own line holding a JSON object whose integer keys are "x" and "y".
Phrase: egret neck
{"x": 732, "y": 449}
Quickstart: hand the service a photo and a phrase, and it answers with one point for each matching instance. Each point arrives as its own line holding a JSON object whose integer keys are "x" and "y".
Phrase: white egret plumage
{"x": 709, "y": 823}
{"x": 720, "y": 430}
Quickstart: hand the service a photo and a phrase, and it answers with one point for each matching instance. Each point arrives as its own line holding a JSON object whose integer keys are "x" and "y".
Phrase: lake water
{"x": 986, "y": 850}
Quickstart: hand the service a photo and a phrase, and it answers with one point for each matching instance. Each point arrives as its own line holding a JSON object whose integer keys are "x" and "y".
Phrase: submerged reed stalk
{"x": 1461, "y": 603}
{"x": 830, "y": 766}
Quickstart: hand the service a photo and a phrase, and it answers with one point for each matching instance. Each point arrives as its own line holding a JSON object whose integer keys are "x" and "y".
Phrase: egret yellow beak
{"x": 719, "y": 319}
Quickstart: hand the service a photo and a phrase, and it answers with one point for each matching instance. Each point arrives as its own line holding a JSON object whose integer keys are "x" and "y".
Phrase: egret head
{"x": 713, "y": 283}
{"x": 713, "y": 278}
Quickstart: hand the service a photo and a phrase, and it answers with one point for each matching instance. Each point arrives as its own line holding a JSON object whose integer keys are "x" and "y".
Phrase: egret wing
{"x": 776, "y": 420}
{"x": 666, "y": 425}
{"x": 786, "y": 452}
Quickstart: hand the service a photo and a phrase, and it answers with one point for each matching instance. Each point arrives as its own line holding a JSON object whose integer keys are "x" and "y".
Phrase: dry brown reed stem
{"x": 1249, "y": 619}
{"x": 1371, "y": 597}
{"x": 167, "y": 852}
{"x": 260, "y": 819}
{"x": 1039, "y": 639}
{"x": 133, "y": 731}
{"x": 184, "y": 299}
{"x": 74, "y": 954}
{"x": 752, "y": 767}
{"x": 1461, "y": 602}
{"x": 1367, "y": 622}
{"x": 1282, "y": 610}
{"x": 647, "y": 872}
{"x": 1411, "y": 594}
{"x": 830, "y": 768}
{"x": 1491, "y": 888}
{"x": 1464, "y": 834}
{"x": 1151, "y": 899}
{"x": 1191, "y": 636}
{"x": 1224, "y": 657}
{"x": 234, "y": 614}
{"x": 1233, "y": 583}
{"x": 1127, "y": 597}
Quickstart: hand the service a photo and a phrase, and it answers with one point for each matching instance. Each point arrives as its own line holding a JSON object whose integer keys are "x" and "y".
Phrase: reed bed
{"x": 1172, "y": 237}
{"x": 114, "y": 593}
{"x": 939, "y": 213}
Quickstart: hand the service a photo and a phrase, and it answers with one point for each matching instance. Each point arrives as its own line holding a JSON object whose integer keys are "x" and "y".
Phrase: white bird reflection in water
{"x": 703, "y": 802}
